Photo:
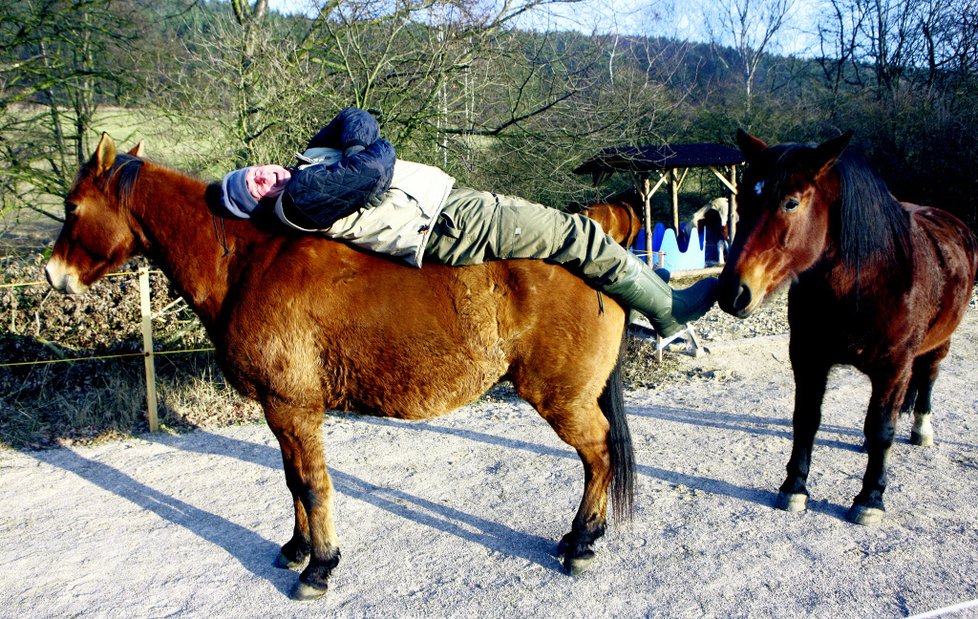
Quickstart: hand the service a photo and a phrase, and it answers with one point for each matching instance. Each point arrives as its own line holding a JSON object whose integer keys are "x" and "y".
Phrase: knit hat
{"x": 237, "y": 199}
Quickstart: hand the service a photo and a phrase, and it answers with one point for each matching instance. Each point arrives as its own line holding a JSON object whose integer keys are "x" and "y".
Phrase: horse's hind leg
{"x": 298, "y": 432}
{"x": 918, "y": 398}
{"x": 584, "y": 428}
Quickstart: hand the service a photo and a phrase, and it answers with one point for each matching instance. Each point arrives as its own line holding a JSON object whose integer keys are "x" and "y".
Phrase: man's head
{"x": 245, "y": 187}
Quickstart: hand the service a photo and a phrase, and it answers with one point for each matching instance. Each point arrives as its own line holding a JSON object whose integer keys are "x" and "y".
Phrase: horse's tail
{"x": 612, "y": 403}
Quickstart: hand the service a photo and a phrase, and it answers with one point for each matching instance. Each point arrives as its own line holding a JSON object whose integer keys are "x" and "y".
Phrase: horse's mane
{"x": 871, "y": 223}
{"x": 124, "y": 171}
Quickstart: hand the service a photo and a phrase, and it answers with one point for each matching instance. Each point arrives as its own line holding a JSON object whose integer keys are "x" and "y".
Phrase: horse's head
{"x": 97, "y": 234}
{"x": 784, "y": 203}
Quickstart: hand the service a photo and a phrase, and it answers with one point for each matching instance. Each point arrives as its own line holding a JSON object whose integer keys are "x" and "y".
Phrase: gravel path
{"x": 459, "y": 516}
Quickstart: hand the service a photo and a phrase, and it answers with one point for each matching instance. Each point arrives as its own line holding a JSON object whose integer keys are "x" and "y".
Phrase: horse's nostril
{"x": 742, "y": 299}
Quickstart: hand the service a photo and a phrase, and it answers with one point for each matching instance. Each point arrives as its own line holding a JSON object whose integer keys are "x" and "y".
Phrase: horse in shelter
{"x": 712, "y": 223}
{"x": 304, "y": 324}
{"x": 876, "y": 284}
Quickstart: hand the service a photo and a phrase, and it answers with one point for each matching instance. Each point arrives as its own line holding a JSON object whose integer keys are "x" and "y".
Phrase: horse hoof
{"x": 791, "y": 502}
{"x": 285, "y": 563}
{"x": 922, "y": 440}
{"x": 866, "y": 516}
{"x": 579, "y": 565}
{"x": 304, "y": 592}
{"x": 564, "y": 544}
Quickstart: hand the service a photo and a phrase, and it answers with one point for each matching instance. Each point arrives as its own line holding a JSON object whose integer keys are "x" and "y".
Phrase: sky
{"x": 680, "y": 19}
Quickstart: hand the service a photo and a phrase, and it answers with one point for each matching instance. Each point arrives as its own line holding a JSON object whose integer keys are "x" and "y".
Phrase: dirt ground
{"x": 459, "y": 516}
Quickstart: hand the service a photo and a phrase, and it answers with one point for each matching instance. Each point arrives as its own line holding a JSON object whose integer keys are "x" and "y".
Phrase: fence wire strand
{"x": 95, "y": 357}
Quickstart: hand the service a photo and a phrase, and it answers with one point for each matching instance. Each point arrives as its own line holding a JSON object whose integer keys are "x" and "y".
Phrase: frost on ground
{"x": 459, "y": 516}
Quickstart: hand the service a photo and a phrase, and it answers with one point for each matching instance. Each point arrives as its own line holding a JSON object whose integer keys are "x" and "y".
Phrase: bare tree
{"x": 751, "y": 28}
{"x": 54, "y": 70}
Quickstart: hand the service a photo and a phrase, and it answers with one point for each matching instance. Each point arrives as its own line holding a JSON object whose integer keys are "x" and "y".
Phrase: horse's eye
{"x": 790, "y": 204}
{"x": 70, "y": 207}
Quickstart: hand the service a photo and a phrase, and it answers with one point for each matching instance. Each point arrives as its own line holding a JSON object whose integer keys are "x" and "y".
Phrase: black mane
{"x": 870, "y": 223}
{"x": 125, "y": 170}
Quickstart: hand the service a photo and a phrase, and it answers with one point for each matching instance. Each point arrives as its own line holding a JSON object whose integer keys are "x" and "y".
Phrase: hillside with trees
{"x": 213, "y": 85}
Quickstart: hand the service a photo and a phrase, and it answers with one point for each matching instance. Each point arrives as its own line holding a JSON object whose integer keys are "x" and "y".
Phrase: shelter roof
{"x": 665, "y": 157}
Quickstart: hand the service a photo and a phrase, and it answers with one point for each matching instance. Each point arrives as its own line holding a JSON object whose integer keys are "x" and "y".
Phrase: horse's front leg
{"x": 811, "y": 375}
{"x": 298, "y": 432}
{"x": 889, "y": 389}
{"x": 295, "y": 552}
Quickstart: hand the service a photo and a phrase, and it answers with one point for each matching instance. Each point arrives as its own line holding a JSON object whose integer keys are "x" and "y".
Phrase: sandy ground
{"x": 459, "y": 516}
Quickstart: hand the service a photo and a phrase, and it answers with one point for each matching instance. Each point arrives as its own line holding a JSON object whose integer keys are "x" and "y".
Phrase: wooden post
{"x": 147, "y": 314}
{"x": 674, "y": 185}
{"x": 732, "y": 212}
{"x": 647, "y": 214}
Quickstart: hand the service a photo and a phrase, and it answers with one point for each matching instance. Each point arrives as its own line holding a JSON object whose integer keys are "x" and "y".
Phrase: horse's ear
{"x": 104, "y": 155}
{"x": 137, "y": 150}
{"x": 828, "y": 151}
{"x": 749, "y": 145}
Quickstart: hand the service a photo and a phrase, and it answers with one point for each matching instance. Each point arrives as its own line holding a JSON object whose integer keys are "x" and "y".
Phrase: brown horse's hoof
{"x": 305, "y": 593}
{"x": 578, "y": 565}
{"x": 866, "y": 516}
{"x": 285, "y": 563}
{"x": 791, "y": 502}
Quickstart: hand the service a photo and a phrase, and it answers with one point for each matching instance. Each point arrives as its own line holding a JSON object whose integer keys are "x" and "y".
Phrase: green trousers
{"x": 478, "y": 226}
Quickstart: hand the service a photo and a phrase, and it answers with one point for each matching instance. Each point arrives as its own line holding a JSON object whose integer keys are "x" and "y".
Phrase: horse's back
{"x": 945, "y": 262}
{"x": 617, "y": 219}
{"x": 374, "y": 335}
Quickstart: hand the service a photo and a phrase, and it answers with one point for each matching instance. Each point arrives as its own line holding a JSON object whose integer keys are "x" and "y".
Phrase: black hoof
{"x": 791, "y": 502}
{"x": 578, "y": 550}
{"x": 564, "y": 543}
{"x": 285, "y": 563}
{"x": 866, "y": 516}
{"x": 293, "y": 554}
{"x": 304, "y": 592}
{"x": 579, "y": 563}
{"x": 313, "y": 580}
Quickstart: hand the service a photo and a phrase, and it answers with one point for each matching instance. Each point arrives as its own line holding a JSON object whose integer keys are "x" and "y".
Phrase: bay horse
{"x": 303, "y": 324}
{"x": 876, "y": 284}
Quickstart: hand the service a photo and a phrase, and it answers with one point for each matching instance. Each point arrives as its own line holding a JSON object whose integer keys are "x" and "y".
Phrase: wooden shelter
{"x": 651, "y": 167}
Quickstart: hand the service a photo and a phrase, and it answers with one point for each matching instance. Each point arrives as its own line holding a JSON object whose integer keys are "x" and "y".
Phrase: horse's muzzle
{"x": 63, "y": 279}
{"x": 735, "y": 297}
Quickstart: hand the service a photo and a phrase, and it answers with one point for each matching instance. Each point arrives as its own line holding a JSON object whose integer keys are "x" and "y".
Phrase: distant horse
{"x": 302, "y": 324}
{"x": 877, "y": 284}
{"x": 712, "y": 223}
{"x": 617, "y": 215}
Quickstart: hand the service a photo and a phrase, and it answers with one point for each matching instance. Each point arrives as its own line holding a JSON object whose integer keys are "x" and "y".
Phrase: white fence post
{"x": 146, "y": 310}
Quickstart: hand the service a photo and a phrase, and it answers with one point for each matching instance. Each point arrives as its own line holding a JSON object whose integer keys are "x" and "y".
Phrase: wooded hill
{"x": 216, "y": 85}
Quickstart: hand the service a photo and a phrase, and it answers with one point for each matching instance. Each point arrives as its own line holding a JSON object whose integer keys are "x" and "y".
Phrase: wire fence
{"x": 148, "y": 353}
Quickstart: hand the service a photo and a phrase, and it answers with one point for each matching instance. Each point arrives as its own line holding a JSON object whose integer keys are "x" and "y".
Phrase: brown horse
{"x": 618, "y": 216}
{"x": 876, "y": 284}
{"x": 303, "y": 324}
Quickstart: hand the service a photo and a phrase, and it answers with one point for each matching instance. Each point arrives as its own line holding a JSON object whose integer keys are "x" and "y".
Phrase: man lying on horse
{"x": 349, "y": 186}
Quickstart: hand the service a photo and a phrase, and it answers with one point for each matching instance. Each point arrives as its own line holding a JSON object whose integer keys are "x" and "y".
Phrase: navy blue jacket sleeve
{"x": 321, "y": 194}
{"x": 351, "y": 127}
